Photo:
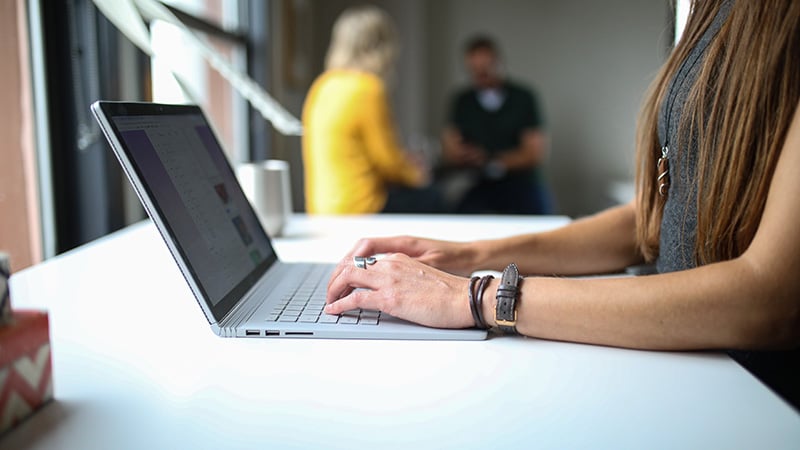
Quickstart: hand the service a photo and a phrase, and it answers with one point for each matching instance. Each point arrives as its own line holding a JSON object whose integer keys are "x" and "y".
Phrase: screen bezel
{"x": 109, "y": 110}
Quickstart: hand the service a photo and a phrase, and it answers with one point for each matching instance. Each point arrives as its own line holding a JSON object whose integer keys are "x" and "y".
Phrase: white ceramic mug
{"x": 266, "y": 184}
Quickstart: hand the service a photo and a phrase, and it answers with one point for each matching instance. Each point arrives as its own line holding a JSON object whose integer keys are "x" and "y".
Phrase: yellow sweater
{"x": 350, "y": 149}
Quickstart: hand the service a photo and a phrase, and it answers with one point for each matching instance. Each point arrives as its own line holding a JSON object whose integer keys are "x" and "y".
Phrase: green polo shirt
{"x": 496, "y": 131}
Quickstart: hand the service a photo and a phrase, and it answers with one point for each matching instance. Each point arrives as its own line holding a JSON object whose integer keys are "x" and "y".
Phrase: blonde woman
{"x": 717, "y": 211}
{"x": 353, "y": 162}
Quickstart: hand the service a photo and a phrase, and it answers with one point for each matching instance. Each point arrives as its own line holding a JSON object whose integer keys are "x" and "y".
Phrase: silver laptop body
{"x": 188, "y": 188}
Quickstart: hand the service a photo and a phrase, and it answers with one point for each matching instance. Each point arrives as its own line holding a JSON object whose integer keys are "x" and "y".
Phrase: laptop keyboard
{"x": 305, "y": 304}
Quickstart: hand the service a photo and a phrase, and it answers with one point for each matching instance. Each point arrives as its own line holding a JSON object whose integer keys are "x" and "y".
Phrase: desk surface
{"x": 128, "y": 379}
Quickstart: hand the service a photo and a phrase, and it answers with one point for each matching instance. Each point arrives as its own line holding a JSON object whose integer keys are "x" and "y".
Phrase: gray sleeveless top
{"x": 780, "y": 370}
{"x": 679, "y": 222}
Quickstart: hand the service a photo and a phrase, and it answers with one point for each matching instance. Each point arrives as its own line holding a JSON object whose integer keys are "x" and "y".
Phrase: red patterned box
{"x": 26, "y": 381}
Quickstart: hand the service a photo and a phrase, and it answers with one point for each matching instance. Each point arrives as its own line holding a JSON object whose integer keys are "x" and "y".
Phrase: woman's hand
{"x": 402, "y": 287}
{"x": 459, "y": 258}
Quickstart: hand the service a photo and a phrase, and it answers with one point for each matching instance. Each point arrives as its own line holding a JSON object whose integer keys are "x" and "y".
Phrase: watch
{"x": 505, "y": 313}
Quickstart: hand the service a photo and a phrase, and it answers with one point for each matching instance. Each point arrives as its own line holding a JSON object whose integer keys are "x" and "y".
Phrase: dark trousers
{"x": 510, "y": 195}
{"x": 427, "y": 200}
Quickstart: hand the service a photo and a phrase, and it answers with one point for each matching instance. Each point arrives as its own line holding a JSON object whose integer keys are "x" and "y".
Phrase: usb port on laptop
{"x": 252, "y": 332}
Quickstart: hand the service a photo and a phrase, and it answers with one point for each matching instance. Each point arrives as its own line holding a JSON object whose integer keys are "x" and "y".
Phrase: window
{"x": 78, "y": 57}
{"x": 682, "y": 8}
{"x": 220, "y": 19}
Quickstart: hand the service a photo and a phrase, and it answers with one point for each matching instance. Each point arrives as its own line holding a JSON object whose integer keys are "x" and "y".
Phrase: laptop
{"x": 187, "y": 186}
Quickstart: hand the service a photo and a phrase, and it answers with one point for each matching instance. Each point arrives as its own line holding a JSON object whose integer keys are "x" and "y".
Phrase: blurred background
{"x": 589, "y": 61}
{"x": 60, "y": 187}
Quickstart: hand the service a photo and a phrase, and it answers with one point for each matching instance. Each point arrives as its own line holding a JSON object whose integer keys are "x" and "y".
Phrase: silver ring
{"x": 361, "y": 261}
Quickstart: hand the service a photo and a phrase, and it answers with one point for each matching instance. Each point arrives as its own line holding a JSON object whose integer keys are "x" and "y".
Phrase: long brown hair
{"x": 738, "y": 110}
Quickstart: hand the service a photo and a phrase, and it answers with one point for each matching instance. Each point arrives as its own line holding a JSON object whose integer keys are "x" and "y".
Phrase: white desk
{"x": 147, "y": 372}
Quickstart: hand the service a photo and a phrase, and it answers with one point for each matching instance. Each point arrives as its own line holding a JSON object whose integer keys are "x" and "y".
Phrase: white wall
{"x": 590, "y": 62}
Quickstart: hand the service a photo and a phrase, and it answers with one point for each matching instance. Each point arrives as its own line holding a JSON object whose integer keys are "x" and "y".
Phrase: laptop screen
{"x": 193, "y": 188}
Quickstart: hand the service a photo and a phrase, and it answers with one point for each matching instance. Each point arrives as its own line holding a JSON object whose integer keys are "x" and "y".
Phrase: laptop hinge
{"x": 252, "y": 300}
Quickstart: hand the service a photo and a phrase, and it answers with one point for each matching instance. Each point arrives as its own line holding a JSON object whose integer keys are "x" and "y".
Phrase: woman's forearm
{"x": 719, "y": 306}
{"x": 598, "y": 244}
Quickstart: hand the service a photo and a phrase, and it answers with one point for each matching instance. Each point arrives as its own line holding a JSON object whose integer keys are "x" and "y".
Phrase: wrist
{"x": 478, "y": 254}
{"x": 465, "y": 316}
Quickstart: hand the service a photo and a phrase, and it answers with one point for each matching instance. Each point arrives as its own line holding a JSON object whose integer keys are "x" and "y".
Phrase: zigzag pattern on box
{"x": 25, "y": 385}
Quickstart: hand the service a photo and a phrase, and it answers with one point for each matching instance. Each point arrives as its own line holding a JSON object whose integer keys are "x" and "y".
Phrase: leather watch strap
{"x": 506, "y": 310}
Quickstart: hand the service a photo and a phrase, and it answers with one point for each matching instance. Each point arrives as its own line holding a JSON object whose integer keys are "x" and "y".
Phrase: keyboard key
{"x": 272, "y": 317}
{"x": 312, "y": 318}
{"x": 328, "y": 318}
{"x": 368, "y": 321}
{"x": 348, "y": 319}
{"x": 286, "y": 318}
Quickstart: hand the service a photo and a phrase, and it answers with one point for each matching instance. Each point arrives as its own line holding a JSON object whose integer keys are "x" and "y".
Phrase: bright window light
{"x": 682, "y": 8}
{"x": 226, "y": 110}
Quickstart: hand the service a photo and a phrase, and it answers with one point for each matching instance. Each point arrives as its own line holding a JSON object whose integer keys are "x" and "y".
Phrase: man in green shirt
{"x": 495, "y": 134}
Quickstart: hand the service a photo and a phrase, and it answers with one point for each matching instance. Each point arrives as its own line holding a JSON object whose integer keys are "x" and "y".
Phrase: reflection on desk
{"x": 136, "y": 366}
